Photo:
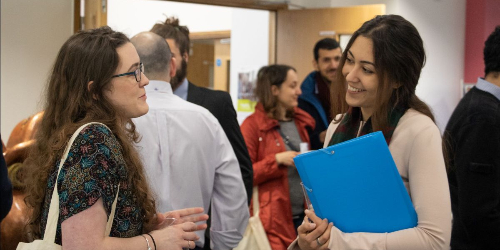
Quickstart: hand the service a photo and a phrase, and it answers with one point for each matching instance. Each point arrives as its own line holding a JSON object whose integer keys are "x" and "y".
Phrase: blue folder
{"x": 356, "y": 185}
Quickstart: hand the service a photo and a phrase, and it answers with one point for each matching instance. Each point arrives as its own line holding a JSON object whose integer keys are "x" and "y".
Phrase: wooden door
{"x": 201, "y": 63}
{"x": 96, "y": 14}
{"x": 209, "y": 59}
{"x": 298, "y": 30}
{"x": 222, "y": 57}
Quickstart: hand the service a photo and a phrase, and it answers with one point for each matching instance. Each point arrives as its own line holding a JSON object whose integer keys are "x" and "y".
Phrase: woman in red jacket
{"x": 273, "y": 134}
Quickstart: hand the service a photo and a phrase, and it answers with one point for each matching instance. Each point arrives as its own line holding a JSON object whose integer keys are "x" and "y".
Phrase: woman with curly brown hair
{"x": 97, "y": 85}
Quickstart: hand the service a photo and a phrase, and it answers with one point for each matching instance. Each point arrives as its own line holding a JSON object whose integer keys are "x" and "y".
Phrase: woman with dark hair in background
{"x": 375, "y": 91}
{"x": 97, "y": 83}
{"x": 273, "y": 135}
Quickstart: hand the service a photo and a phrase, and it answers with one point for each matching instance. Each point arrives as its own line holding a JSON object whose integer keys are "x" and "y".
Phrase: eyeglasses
{"x": 136, "y": 73}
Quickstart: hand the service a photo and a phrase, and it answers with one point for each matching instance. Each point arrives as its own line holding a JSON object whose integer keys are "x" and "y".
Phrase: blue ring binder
{"x": 357, "y": 194}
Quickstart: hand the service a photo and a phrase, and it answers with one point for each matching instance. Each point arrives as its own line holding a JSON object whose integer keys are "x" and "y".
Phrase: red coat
{"x": 264, "y": 142}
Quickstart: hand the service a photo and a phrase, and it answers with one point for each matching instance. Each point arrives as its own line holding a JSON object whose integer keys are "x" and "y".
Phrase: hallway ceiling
{"x": 252, "y": 4}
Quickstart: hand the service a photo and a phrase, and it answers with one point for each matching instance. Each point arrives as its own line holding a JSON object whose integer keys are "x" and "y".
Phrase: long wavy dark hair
{"x": 70, "y": 102}
{"x": 399, "y": 56}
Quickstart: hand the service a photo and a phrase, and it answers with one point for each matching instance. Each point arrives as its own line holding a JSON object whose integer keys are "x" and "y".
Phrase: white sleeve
{"x": 230, "y": 212}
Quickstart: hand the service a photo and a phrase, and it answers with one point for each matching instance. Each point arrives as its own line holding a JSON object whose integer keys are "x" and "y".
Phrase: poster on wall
{"x": 246, "y": 89}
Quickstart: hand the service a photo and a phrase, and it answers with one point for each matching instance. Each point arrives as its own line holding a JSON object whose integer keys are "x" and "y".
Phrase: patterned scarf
{"x": 349, "y": 126}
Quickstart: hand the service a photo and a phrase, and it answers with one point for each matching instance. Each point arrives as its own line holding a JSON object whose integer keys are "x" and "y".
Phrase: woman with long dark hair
{"x": 96, "y": 85}
{"x": 375, "y": 91}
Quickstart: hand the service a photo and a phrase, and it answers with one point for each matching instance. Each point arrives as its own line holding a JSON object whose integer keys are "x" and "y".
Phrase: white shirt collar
{"x": 158, "y": 86}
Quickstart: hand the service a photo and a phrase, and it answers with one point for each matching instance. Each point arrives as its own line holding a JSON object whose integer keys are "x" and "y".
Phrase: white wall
{"x": 249, "y": 46}
{"x": 441, "y": 24}
{"x": 32, "y": 34}
{"x": 249, "y": 29}
{"x": 134, "y": 16}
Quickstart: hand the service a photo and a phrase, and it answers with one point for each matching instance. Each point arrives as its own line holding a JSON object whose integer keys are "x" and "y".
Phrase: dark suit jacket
{"x": 472, "y": 148}
{"x": 219, "y": 103}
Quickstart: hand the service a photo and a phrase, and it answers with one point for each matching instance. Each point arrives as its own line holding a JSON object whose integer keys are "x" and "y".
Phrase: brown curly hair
{"x": 70, "y": 102}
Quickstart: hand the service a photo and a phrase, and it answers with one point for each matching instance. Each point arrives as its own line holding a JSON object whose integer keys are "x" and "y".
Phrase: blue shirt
{"x": 182, "y": 90}
{"x": 488, "y": 87}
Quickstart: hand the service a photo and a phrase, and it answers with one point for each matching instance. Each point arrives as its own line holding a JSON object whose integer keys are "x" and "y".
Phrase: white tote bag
{"x": 255, "y": 236}
{"x": 47, "y": 243}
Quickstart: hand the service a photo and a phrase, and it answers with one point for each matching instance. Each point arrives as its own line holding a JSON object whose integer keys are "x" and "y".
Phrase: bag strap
{"x": 109, "y": 224}
{"x": 285, "y": 140}
{"x": 255, "y": 198}
{"x": 53, "y": 216}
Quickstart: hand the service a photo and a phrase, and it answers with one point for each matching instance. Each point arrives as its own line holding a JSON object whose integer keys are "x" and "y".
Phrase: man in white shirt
{"x": 188, "y": 158}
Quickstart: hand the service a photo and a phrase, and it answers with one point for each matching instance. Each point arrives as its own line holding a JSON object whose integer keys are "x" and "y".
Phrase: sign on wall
{"x": 246, "y": 88}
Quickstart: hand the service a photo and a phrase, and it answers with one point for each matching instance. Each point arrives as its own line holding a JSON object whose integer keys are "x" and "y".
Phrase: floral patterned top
{"x": 93, "y": 169}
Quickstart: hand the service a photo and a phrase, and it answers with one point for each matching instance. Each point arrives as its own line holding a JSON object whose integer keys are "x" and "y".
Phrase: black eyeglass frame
{"x": 137, "y": 73}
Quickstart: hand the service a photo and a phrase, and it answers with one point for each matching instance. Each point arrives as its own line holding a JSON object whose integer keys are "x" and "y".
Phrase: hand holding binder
{"x": 356, "y": 185}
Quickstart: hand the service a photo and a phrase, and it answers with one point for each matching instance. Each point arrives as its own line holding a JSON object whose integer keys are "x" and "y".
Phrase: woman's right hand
{"x": 175, "y": 237}
{"x": 286, "y": 158}
{"x": 314, "y": 233}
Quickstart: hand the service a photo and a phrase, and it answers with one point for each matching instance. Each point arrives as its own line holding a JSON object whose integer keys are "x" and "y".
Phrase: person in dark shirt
{"x": 472, "y": 146}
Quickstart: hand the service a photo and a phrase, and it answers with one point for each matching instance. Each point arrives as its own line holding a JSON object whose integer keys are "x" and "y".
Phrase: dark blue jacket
{"x": 311, "y": 104}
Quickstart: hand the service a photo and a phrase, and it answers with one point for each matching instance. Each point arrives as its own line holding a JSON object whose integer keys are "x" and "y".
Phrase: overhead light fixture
{"x": 327, "y": 33}
{"x": 225, "y": 41}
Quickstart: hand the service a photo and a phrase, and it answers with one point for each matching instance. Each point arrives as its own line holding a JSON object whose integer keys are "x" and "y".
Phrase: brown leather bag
{"x": 12, "y": 228}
